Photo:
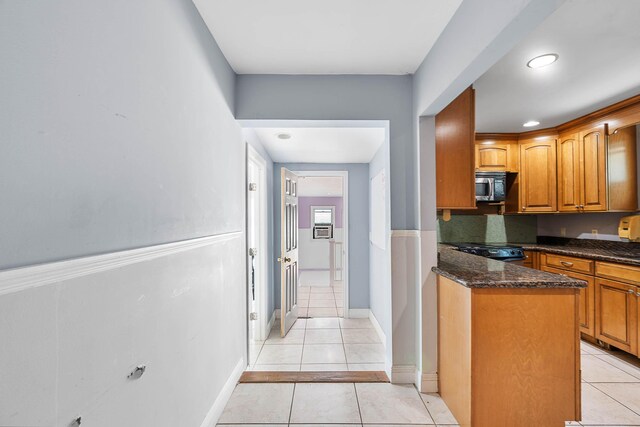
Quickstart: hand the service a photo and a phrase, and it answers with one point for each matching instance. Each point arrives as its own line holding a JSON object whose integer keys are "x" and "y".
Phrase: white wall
{"x": 117, "y": 133}
{"x": 313, "y": 254}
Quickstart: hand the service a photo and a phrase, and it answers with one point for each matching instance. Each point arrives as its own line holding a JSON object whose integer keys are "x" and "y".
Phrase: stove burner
{"x": 494, "y": 251}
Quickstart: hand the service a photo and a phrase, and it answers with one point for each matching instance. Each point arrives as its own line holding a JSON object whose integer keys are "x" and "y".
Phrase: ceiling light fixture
{"x": 284, "y": 135}
{"x": 543, "y": 60}
{"x": 530, "y": 123}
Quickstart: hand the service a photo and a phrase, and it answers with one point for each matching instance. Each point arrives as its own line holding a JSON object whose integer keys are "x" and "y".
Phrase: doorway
{"x": 257, "y": 261}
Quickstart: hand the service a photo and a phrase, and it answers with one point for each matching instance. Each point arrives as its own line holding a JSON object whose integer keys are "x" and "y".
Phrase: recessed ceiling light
{"x": 530, "y": 123}
{"x": 543, "y": 60}
{"x": 284, "y": 136}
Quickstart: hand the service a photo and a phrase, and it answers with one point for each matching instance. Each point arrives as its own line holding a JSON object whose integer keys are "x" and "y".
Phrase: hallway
{"x": 316, "y": 298}
{"x": 321, "y": 344}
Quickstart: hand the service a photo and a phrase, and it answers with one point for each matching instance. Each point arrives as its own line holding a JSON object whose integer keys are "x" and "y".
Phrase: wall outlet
{"x": 594, "y": 232}
{"x": 563, "y": 231}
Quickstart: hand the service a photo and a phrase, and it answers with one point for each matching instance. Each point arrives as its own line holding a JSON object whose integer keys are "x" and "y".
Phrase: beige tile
{"x": 323, "y": 336}
{"x": 323, "y": 353}
{"x": 355, "y": 323}
{"x": 322, "y": 303}
{"x": 258, "y": 403}
{"x": 595, "y": 370}
{"x": 328, "y": 323}
{"x": 280, "y": 355}
{"x": 600, "y": 409}
{"x": 621, "y": 364}
{"x": 300, "y": 324}
{"x": 277, "y": 368}
{"x": 391, "y": 404}
{"x": 438, "y": 409}
{"x": 254, "y": 351}
{"x": 366, "y": 366}
{"x": 322, "y": 425}
{"x": 588, "y": 348}
{"x": 398, "y": 425}
{"x": 302, "y": 311}
{"x": 294, "y": 336}
{"x": 626, "y": 393}
{"x": 303, "y": 302}
{"x": 324, "y": 367}
{"x": 322, "y": 312}
{"x": 321, "y": 290}
{"x": 339, "y": 295}
{"x": 360, "y": 336}
{"x": 252, "y": 425}
{"x": 364, "y": 353}
{"x": 325, "y": 403}
{"x": 339, "y": 303}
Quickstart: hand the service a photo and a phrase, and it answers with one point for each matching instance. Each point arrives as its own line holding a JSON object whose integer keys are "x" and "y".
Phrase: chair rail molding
{"x": 19, "y": 279}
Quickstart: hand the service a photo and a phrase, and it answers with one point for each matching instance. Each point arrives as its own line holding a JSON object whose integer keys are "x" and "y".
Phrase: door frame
{"x": 345, "y": 226}
{"x": 263, "y": 241}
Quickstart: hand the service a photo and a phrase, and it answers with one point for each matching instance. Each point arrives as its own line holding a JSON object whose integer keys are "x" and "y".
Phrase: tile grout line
{"x": 293, "y": 396}
{"x": 597, "y": 356}
{"x": 613, "y": 398}
{"x": 355, "y": 390}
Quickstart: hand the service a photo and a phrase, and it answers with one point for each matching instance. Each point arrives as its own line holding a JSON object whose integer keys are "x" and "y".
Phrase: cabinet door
{"x": 538, "y": 176}
{"x": 593, "y": 169}
{"x": 617, "y": 314}
{"x": 492, "y": 157}
{"x": 569, "y": 173}
{"x": 587, "y": 300}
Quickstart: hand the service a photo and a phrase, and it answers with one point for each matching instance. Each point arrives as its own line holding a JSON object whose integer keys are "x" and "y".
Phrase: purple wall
{"x": 304, "y": 209}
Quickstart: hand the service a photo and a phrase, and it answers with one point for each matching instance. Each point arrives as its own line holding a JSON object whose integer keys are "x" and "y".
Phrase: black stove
{"x": 495, "y": 251}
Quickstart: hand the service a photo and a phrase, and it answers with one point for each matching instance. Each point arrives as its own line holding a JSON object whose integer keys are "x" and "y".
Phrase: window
{"x": 322, "y": 220}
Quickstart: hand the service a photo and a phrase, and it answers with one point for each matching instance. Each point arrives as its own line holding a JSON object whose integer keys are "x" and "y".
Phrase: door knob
{"x": 285, "y": 260}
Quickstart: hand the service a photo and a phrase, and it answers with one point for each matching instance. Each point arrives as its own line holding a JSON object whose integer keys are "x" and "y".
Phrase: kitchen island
{"x": 509, "y": 346}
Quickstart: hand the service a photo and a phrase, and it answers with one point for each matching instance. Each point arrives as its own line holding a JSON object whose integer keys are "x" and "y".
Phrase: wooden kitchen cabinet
{"x": 617, "y": 314}
{"x": 495, "y": 153}
{"x": 593, "y": 169}
{"x": 530, "y": 261}
{"x": 455, "y": 153}
{"x": 538, "y": 175}
{"x": 569, "y": 173}
{"x": 587, "y": 310}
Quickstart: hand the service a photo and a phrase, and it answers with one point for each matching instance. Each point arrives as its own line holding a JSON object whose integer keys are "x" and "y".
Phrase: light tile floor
{"x": 320, "y": 300}
{"x": 321, "y": 344}
{"x": 610, "y": 392}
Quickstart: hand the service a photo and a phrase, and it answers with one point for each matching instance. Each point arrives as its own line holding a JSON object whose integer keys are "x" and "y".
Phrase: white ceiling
{"x": 599, "y": 47}
{"x": 320, "y": 186}
{"x": 322, "y": 145}
{"x": 326, "y": 37}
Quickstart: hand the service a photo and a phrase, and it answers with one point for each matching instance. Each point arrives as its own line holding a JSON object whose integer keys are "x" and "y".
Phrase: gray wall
{"x": 117, "y": 129}
{"x": 358, "y": 226}
{"x": 118, "y": 132}
{"x": 272, "y": 97}
{"x": 253, "y": 140}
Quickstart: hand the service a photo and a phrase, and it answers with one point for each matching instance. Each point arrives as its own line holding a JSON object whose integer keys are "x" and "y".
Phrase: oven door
{"x": 484, "y": 189}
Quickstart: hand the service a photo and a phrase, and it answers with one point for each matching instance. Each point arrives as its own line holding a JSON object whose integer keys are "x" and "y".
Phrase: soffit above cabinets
{"x": 599, "y": 47}
{"x": 326, "y": 37}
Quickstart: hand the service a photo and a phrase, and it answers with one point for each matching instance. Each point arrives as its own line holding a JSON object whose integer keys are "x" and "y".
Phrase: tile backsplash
{"x": 488, "y": 229}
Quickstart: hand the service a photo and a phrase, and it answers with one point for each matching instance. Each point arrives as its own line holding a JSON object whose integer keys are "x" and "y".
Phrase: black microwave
{"x": 491, "y": 186}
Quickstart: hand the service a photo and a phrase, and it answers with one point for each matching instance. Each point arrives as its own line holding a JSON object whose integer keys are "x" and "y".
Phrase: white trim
{"x": 263, "y": 242}
{"x": 378, "y": 328}
{"x": 405, "y": 233}
{"x": 223, "y": 397}
{"x": 359, "y": 313}
{"x": 429, "y": 383}
{"x": 403, "y": 374}
{"x": 345, "y": 227}
{"x": 19, "y": 279}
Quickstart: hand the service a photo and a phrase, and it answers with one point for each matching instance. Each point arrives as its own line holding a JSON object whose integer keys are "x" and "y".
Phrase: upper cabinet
{"x": 538, "y": 175}
{"x": 582, "y": 171}
{"x": 493, "y": 154}
{"x": 455, "y": 154}
{"x": 622, "y": 169}
{"x": 593, "y": 169}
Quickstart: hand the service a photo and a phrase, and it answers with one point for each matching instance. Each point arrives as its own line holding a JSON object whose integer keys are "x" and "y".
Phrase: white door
{"x": 289, "y": 251}
{"x": 253, "y": 225}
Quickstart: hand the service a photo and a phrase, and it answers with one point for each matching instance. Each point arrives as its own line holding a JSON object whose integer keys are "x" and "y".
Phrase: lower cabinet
{"x": 587, "y": 310}
{"x": 617, "y": 314}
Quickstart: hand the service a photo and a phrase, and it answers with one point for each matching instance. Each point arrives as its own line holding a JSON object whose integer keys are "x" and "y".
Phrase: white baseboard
{"x": 359, "y": 313}
{"x": 378, "y": 328}
{"x": 403, "y": 374}
{"x": 272, "y": 320}
{"x": 429, "y": 383}
{"x": 225, "y": 394}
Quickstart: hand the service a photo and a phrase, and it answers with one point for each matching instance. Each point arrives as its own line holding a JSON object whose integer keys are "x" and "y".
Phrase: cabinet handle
{"x": 524, "y": 208}
{"x": 566, "y": 263}
{"x": 638, "y": 294}
{"x": 631, "y": 291}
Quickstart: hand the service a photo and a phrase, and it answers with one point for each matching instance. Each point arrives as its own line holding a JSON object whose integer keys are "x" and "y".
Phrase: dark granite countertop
{"x": 602, "y": 252}
{"x": 474, "y": 271}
